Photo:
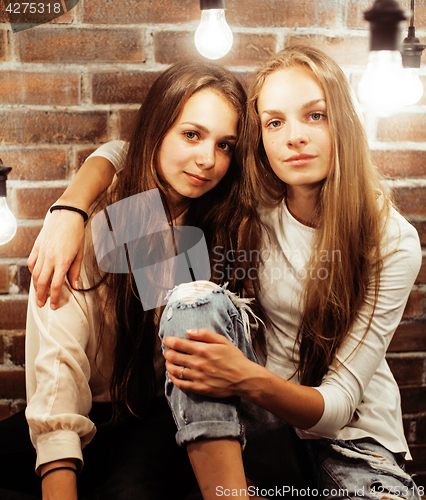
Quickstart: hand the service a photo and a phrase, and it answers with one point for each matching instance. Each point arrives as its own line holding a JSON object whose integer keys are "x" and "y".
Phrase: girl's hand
{"x": 213, "y": 366}
{"x": 58, "y": 250}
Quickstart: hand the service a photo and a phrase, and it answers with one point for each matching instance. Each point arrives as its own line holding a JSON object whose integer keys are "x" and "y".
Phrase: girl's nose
{"x": 206, "y": 157}
{"x": 297, "y": 135}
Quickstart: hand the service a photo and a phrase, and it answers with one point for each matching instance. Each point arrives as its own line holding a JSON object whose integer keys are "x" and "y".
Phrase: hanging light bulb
{"x": 213, "y": 37}
{"x": 381, "y": 89}
{"x": 8, "y": 224}
{"x": 411, "y": 55}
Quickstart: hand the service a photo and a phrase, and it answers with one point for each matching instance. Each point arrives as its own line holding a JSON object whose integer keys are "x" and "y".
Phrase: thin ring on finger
{"x": 181, "y": 372}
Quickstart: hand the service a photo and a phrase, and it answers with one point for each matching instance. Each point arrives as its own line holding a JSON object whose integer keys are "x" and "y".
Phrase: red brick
{"x": 402, "y": 127}
{"x": 126, "y": 119}
{"x": 408, "y": 423}
{"x": 421, "y": 229}
{"x": 122, "y": 88}
{"x": 344, "y": 50}
{"x": 21, "y": 87}
{"x": 13, "y": 314}
{"x": 4, "y": 17}
{"x": 4, "y": 408}
{"x": 55, "y": 127}
{"x": 12, "y": 384}
{"x": 418, "y": 452}
{"x": 35, "y": 164}
{"x": 18, "y": 350}
{"x": 413, "y": 399}
{"x": 401, "y": 163}
{"x": 409, "y": 337}
{"x": 355, "y": 13}
{"x": 407, "y": 371}
{"x": 248, "y": 49}
{"x": 22, "y": 242}
{"x": 33, "y": 203}
{"x": 24, "y": 277}
{"x": 288, "y": 13}
{"x": 79, "y": 45}
{"x": 410, "y": 200}
{"x": 4, "y": 278}
{"x": 3, "y": 45}
{"x": 421, "y": 429}
{"x": 135, "y": 11}
{"x": 171, "y": 46}
{"x": 66, "y": 18}
{"x": 414, "y": 307}
{"x": 82, "y": 155}
{"x": 421, "y": 278}
{"x": 17, "y": 405}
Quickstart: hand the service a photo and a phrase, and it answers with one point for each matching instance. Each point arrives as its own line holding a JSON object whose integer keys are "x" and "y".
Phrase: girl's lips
{"x": 300, "y": 160}
{"x": 199, "y": 181}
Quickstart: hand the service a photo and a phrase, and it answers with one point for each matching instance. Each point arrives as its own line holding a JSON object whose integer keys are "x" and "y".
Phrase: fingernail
{"x": 192, "y": 331}
{"x": 39, "y": 303}
{"x": 53, "y": 307}
{"x": 76, "y": 285}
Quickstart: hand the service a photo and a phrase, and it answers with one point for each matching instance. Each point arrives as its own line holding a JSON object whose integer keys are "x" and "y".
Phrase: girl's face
{"x": 197, "y": 151}
{"x": 295, "y": 131}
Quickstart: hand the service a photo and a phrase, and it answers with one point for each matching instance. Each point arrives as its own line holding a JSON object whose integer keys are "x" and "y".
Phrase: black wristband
{"x": 58, "y": 468}
{"x": 72, "y": 209}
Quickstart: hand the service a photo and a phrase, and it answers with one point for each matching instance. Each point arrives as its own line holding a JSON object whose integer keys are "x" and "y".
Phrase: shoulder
{"x": 401, "y": 240}
{"x": 399, "y": 230}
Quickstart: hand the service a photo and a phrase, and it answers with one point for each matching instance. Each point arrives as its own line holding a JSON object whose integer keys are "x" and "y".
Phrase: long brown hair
{"x": 351, "y": 211}
{"x": 218, "y": 213}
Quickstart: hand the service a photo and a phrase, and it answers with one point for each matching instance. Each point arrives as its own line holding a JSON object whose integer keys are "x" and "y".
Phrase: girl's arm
{"x": 217, "y": 368}
{"x": 60, "y": 484}
{"x": 58, "y": 370}
{"x": 58, "y": 249}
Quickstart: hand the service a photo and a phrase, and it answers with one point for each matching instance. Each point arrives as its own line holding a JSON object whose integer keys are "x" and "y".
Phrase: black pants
{"x": 138, "y": 460}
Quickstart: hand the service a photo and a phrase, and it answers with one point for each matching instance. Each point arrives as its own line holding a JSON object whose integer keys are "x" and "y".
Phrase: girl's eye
{"x": 274, "y": 124}
{"x": 316, "y": 117}
{"x": 226, "y": 147}
{"x": 191, "y": 135}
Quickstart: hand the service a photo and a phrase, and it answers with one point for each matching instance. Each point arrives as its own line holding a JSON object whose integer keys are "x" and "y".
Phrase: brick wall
{"x": 69, "y": 85}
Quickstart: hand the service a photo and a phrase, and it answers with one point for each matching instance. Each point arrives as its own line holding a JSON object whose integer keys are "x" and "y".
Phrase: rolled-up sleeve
{"x": 362, "y": 355}
{"x": 57, "y": 376}
{"x": 114, "y": 151}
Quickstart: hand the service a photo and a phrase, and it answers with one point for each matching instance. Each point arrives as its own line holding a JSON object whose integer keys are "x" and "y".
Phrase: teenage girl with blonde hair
{"x": 338, "y": 264}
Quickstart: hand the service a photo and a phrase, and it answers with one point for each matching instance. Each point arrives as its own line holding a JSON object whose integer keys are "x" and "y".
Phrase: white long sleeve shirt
{"x": 65, "y": 370}
{"x": 362, "y": 380}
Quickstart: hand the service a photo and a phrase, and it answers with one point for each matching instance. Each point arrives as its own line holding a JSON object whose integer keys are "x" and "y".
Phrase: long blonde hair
{"x": 352, "y": 211}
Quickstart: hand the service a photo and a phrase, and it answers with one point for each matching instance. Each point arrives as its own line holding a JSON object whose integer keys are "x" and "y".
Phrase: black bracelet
{"x": 72, "y": 209}
{"x": 58, "y": 468}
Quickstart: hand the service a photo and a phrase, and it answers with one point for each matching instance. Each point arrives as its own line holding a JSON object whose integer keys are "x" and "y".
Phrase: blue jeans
{"x": 274, "y": 457}
{"x": 360, "y": 469}
{"x": 273, "y": 454}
